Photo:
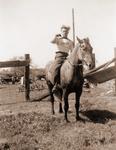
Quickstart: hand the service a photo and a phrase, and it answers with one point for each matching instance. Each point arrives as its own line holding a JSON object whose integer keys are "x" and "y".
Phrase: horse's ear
{"x": 87, "y": 39}
{"x": 78, "y": 39}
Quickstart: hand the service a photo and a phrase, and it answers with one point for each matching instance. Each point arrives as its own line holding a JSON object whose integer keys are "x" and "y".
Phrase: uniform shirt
{"x": 63, "y": 44}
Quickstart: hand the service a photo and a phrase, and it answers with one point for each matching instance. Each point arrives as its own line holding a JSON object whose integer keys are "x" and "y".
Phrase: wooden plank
{"x": 101, "y": 66}
{"x": 102, "y": 75}
{"x": 16, "y": 63}
{"x": 42, "y": 96}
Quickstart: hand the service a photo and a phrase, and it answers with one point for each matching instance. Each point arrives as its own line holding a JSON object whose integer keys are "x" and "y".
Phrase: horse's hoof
{"x": 69, "y": 111}
{"x": 53, "y": 113}
{"x": 60, "y": 112}
{"x": 67, "y": 121}
{"x": 80, "y": 119}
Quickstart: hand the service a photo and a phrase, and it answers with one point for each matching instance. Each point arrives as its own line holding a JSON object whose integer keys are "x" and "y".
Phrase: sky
{"x": 28, "y": 26}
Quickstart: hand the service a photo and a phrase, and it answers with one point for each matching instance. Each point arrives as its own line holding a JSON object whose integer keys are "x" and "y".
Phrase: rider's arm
{"x": 56, "y": 39}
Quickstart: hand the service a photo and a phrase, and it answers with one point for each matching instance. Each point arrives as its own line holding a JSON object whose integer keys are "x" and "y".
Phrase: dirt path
{"x": 30, "y": 126}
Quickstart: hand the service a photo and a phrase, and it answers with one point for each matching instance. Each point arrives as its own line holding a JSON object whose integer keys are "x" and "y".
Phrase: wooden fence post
{"x": 115, "y": 68}
{"x": 94, "y": 64}
{"x": 27, "y": 78}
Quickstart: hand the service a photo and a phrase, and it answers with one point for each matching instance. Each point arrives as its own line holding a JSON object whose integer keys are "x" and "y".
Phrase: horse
{"x": 71, "y": 76}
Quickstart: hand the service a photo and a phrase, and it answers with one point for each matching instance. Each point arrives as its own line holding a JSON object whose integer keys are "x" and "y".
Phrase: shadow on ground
{"x": 99, "y": 116}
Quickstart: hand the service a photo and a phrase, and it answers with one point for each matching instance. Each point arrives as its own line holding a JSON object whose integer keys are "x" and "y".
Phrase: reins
{"x": 74, "y": 65}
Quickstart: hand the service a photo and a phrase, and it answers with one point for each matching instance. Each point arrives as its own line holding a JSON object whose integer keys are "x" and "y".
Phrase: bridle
{"x": 78, "y": 64}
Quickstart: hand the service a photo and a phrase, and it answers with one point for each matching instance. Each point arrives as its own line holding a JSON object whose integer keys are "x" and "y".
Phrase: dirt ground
{"x": 31, "y": 126}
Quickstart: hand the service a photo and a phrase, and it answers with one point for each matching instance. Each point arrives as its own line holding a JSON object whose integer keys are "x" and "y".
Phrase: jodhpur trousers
{"x": 59, "y": 59}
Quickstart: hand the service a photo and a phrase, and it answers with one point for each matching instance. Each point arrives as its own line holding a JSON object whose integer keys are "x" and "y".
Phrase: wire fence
{"x": 15, "y": 93}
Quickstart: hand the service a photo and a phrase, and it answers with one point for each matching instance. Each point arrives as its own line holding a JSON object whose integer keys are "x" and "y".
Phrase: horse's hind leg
{"x": 52, "y": 102}
{"x": 58, "y": 95}
{"x": 51, "y": 97}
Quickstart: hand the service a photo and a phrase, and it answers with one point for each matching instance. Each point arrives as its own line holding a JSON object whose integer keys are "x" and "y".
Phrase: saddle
{"x": 55, "y": 67}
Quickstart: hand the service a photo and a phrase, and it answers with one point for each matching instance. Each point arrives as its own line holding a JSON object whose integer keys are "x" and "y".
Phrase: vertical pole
{"x": 115, "y": 68}
{"x": 73, "y": 24}
{"x": 94, "y": 64}
{"x": 27, "y": 80}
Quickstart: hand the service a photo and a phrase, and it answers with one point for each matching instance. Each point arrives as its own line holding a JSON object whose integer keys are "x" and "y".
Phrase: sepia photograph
{"x": 57, "y": 74}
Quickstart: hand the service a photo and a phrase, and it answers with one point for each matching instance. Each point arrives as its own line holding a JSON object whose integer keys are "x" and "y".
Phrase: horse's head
{"x": 85, "y": 52}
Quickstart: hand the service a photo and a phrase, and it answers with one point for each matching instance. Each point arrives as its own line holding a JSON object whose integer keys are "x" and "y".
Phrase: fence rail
{"x": 16, "y": 63}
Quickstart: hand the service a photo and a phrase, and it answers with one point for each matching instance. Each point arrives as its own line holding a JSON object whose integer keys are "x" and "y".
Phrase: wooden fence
{"x": 18, "y": 63}
{"x": 104, "y": 72}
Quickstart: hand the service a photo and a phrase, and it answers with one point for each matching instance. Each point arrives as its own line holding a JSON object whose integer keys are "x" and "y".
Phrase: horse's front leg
{"x": 77, "y": 104}
{"x": 60, "y": 107}
{"x": 66, "y": 105}
{"x": 60, "y": 103}
{"x": 52, "y": 103}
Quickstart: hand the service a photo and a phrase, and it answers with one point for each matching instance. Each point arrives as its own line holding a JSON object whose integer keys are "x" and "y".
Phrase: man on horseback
{"x": 64, "y": 47}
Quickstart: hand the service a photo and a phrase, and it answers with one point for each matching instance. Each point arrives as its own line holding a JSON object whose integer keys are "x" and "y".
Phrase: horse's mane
{"x": 74, "y": 52}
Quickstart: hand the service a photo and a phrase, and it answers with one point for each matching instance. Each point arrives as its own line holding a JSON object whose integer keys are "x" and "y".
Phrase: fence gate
{"x": 19, "y": 63}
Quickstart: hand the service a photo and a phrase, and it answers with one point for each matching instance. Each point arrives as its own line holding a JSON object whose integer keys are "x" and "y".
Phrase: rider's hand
{"x": 58, "y": 35}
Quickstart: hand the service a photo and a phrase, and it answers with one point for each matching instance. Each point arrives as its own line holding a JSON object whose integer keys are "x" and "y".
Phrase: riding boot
{"x": 55, "y": 88}
{"x": 56, "y": 83}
